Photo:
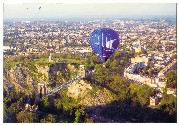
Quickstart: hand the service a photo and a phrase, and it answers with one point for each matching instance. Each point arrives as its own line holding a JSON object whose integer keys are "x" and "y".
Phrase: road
{"x": 16, "y": 85}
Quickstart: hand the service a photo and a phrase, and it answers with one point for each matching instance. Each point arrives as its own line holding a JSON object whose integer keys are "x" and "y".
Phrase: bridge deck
{"x": 64, "y": 85}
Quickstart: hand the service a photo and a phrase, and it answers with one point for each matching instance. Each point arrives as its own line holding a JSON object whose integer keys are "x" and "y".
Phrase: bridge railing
{"x": 74, "y": 78}
{"x": 64, "y": 85}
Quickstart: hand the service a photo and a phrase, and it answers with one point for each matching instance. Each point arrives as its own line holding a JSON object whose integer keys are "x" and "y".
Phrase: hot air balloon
{"x": 104, "y": 42}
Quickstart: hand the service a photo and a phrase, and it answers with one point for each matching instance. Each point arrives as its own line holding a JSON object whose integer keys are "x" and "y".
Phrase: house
{"x": 171, "y": 91}
{"x": 139, "y": 59}
{"x": 170, "y": 66}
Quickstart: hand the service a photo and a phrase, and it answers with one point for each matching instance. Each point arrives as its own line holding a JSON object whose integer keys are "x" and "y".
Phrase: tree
{"x": 117, "y": 54}
{"x": 59, "y": 77}
{"x": 174, "y": 56}
{"x": 27, "y": 117}
{"x": 114, "y": 64}
{"x": 133, "y": 91}
{"x": 48, "y": 119}
{"x": 45, "y": 102}
{"x": 141, "y": 93}
{"x": 122, "y": 62}
{"x": 4, "y": 112}
{"x": 168, "y": 104}
{"x": 108, "y": 62}
{"x": 88, "y": 119}
{"x": 120, "y": 86}
{"x": 78, "y": 113}
{"x": 171, "y": 79}
{"x": 101, "y": 74}
{"x": 58, "y": 104}
{"x": 13, "y": 110}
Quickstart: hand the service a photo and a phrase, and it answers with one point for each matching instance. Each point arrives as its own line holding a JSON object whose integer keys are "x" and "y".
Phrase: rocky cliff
{"x": 28, "y": 76}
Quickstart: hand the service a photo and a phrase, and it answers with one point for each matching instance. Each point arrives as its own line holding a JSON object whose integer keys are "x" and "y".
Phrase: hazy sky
{"x": 87, "y": 10}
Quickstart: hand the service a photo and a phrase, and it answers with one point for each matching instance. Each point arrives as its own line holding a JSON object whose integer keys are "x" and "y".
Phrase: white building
{"x": 140, "y": 59}
{"x": 50, "y": 57}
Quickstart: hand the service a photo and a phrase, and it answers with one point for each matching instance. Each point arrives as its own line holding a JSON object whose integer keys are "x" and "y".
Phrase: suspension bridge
{"x": 43, "y": 89}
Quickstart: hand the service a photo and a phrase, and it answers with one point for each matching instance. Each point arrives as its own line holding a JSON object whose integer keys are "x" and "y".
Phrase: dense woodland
{"x": 130, "y": 100}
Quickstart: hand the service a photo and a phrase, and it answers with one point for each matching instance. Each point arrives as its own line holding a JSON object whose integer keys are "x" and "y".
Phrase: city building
{"x": 140, "y": 59}
{"x": 170, "y": 66}
{"x": 171, "y": 91}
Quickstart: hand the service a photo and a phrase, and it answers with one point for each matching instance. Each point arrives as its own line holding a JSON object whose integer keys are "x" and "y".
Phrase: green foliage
{"x": 67, "y": 103}
{"x": 91, "y": 61}
{"x": 94, "y": 90}
{"x": 15, "y": 96}
{"x": 14, "y": 103}
{"x": 88, "y": 119}
{"x": 141, "y": 93}
{"x": 171, "y": 79}
{"x": 68, "y": 57}
{"x": 7, "y": 66}
{"x": 78, "y": 113}
{"x": 117, "y": 109}
{"x": 122, "y": 62}
{"x": 114, "y": 64}
{"x": 118, "y": 61}
{"x": 27, "y": 117}
{"x": 117, "y": 54}
{"x": 42, "y": 76}
{"x": 168, "y": 104}
{"x": 120, "y": 86}
{"x": 123, "y": 111}
{"x": 108, "y": 76}
{"x": 60, "y": 77}
{"x": 42, "y": 61}
{"x": 13, "y": 110}
{"x": 101, "y": 75}
{"x": 108, "y": 62}
{"x": 45, "y": 101}
{"x": 12, "y": 61}
{"x": 58, "y": 104}
{"x": 48, "y": 119}
{"x": 4, "y": 112}
{"x": 67, "y": 108}
{"x": 32, "y": 70}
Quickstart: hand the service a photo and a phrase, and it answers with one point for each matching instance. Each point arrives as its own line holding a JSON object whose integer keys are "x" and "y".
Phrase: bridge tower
{"x": 82, "y": 71}
{"x": 50, "y": 57}
{"x": 42, "y": 88}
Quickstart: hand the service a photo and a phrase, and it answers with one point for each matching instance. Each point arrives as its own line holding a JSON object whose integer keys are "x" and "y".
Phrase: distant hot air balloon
{"x": 104, "y": 42}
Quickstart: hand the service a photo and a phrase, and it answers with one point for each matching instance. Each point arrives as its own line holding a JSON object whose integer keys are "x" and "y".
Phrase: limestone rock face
{"x": 78, "y": 89}
{"x": 19, "y": 75}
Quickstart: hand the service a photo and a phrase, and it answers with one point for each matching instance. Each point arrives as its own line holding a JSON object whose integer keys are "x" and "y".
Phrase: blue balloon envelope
{"x": 104, "y": 42}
